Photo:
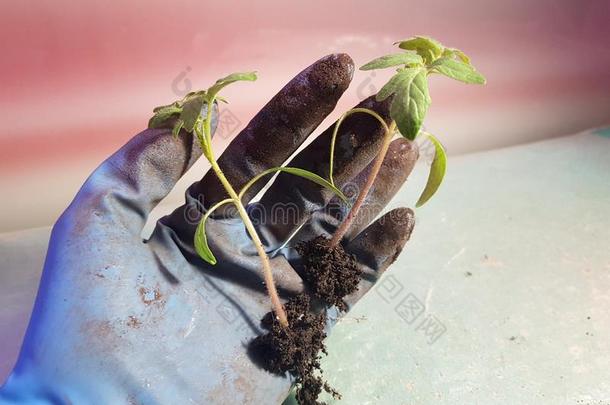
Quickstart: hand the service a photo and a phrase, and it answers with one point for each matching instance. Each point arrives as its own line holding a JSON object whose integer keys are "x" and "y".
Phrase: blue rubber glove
{"x": 118, "y": 320}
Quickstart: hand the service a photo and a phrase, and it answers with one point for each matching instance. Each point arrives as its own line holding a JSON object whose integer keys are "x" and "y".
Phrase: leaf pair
{"x": 201, "y": 240}
{"x": 189, "y": 112}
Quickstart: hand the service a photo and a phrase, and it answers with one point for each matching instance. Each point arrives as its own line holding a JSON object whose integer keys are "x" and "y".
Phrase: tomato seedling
{"x": 421, "y": 57}
{"x": 194, "y": 114}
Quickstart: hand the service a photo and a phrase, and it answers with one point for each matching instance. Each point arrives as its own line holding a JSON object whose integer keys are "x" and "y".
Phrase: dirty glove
{"x": 120, "y": 320}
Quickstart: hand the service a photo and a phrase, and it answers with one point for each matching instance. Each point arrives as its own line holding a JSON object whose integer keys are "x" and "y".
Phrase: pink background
{"x": 80, "y": 78}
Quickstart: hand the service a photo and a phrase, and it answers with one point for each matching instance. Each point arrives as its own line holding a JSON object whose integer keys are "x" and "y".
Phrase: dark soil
{"x": 295, "y": 349}
{"x": 329, "y": 274}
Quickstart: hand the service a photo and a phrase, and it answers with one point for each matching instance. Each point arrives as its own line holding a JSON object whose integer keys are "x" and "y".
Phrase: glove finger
{"x": 397, "y": 165}
{"x": 131, "y": 182}
{"x": 280, "y": 127}
{"x": 378, "y": 246}
{"x": 268, "y": 140}
{"x": 290, "y": 200}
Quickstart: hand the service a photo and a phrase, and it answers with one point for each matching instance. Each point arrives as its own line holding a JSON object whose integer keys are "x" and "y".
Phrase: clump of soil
{"x": 296, "y": 349}
{"x": 330, "y": 273}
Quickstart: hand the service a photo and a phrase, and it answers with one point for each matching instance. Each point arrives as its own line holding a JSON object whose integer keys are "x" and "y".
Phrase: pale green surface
{"x": 532, "y": 226}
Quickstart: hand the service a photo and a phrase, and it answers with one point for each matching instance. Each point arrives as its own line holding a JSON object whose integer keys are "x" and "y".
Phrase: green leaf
{"x": 232, "y": 78}
{"x": 201, "y": 240}
{"x": 163, "y": 115}
{"x": 410, "y": 105}
{"x": 192, "y": 106}
{"x": 426, "y": 47}
{"x": 453, "y": 52}
{"x": 437, "y": 172}
{"x": 314, "y": 178}
{"x": 400, "y": 79}
{"x": 396, "y": 59}
{"x": 191, "y": 110}
{"x": 457, "y": 70}
{"x": 175, "y": 104}
{"x": 201, "y": 243}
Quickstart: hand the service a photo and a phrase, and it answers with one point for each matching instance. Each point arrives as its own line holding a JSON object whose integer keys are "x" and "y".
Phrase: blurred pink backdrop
{"x": 80, "y": 78}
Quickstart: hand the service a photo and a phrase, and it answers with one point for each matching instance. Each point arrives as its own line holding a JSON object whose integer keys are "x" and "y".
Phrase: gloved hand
{"x": 119, "y": 320}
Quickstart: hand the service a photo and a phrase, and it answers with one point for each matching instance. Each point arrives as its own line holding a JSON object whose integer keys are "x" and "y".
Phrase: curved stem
{"x": 336, "y": 131}
{"x": 214, "y": 207}
{"x": 347, "y": 222}
{"x": 257, "y": 178}
{"x": 296, "y": 172}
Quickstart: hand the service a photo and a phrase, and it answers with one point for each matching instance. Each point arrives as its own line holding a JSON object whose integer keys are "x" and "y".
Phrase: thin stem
{"x": 336, "y": 131}
{"x": 344, "y": 227}
{"x": 267, "y": 273}
{"x": 257, "y": 178}
{"x": 295, "y": 171}
{"x": 207, "y": 130}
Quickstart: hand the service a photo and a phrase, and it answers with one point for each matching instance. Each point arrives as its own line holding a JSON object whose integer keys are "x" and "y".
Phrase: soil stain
{"x": 133, "y": 322}
{"x": 151, "y": 296}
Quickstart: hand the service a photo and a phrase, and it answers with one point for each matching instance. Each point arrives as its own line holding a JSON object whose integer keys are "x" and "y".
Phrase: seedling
{"x": 194, "y": 114}
{"x": 421, "y": 57}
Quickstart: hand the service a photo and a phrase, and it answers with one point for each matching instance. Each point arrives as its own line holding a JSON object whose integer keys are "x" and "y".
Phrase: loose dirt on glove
{"x": 296, "y": 348}
{"x": 328, "y": 271}
{"x": 330, "y": 274}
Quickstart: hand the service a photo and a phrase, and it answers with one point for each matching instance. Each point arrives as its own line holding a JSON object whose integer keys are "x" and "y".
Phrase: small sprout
{"x": 422, "y": 56}
{"x": 410, "y": 84}
{"x": 194, "y": 115}
{"x": 428, "y": 48}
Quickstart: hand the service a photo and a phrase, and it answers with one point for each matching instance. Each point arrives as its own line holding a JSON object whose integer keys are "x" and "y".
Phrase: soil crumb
{"x": 329, "y": 272}
{"x": 296, "y": 349}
